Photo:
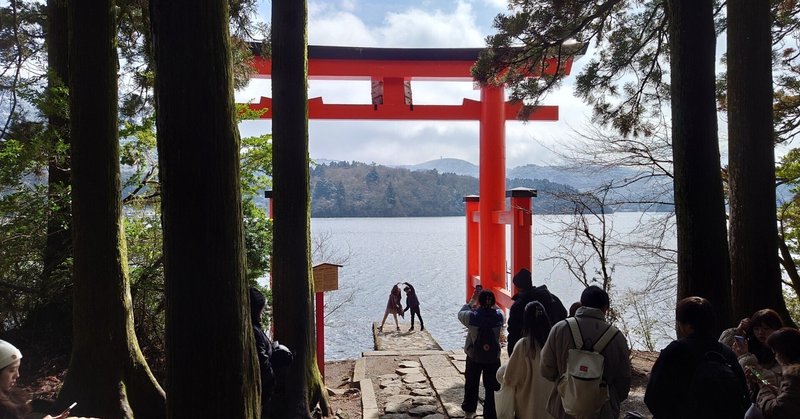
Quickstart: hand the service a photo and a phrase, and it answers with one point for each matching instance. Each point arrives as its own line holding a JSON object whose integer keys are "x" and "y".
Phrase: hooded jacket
{"x": 473, "y": 318}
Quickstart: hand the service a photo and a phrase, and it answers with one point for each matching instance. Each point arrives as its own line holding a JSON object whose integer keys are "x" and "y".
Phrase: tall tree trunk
{"x": 291, "y": 264}
{"x": 211, "y": 360}
{"x": 58, "y": 234}
{"x": 108, "y": 375}
{"x": 755, "y": 270}
{"x": 703, "y": 264}
{"x": 55, "y": 319}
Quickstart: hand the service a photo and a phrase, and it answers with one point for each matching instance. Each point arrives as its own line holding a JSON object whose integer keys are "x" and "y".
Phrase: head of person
{"x": 407, "y": 289}
{"x": 785, "y": 342}
{"x": 486, "y": 299}
{"x": 764, "y": 323}
{"x": 257, "y": 304}
{"x": 523, "y": 280}
{"x": 535, "y": 323}
{"x": 574, "y": 308}
{"x": 396, "y": 290}
{"x": 694, "y": 315}
{"x": 10, "y": 358}
{"x": 595, "y": 297}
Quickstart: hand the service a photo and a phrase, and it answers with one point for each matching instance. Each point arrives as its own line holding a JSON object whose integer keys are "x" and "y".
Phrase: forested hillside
{"x": 353, "y": 189}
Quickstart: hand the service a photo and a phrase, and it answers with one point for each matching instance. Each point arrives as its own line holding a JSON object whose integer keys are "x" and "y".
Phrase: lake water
{"x": 430, "y": 253}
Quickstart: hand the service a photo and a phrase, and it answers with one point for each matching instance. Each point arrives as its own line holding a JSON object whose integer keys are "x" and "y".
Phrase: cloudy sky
{"x": 412, "y": 24}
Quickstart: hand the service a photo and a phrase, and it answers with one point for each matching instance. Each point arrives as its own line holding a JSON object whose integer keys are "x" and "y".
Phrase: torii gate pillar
{"x": 492, "y": 188}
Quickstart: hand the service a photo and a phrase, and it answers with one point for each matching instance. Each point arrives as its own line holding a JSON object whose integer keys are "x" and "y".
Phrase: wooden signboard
{"x": 326, "y": 277}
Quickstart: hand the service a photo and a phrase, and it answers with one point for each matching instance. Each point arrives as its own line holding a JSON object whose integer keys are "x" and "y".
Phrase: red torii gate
{"x": 391, "y": 70}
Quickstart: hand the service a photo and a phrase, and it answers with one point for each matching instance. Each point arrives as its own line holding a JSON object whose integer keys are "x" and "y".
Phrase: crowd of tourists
{"x": 577, "y": 365}
{"x": 567, "y": 365}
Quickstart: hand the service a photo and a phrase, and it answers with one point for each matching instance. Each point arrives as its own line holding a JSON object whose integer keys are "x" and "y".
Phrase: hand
{"x": 740, "y": 347}
{"x": 752, "y": 378}
{"x": 744, "y": 324}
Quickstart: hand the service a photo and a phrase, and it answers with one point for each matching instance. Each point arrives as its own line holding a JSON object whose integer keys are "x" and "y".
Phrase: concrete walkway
{"x": 410, "y": 376}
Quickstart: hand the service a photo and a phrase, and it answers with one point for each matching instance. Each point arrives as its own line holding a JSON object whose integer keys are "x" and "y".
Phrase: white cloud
{"x": 420, "y": 28}
{"x": 349, "y": 5}
{"x": 338, "y": 28}
{"x": 431, "y": 24}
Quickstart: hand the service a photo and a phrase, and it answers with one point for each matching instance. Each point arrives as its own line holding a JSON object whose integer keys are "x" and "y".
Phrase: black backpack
{"x": 715, "y": 390}
{"x": 486, "y": 348}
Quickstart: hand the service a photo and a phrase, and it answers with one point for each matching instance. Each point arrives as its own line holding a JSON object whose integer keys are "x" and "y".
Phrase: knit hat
{"x": 522, "y": 279}
{"x": 8, "y": 354}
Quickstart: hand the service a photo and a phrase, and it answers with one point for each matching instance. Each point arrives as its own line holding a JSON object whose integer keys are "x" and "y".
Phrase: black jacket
{"x": 552, "y": 305}
{"x": 264, "y": 352}
{"x": 667, "y": 392}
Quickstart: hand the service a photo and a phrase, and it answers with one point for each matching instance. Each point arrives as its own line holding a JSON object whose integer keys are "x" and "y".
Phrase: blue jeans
{"x": 472, "y": 377}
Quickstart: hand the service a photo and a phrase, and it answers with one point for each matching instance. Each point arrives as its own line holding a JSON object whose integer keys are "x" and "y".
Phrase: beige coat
{"x": 531, "y": 390}
{"x": 617, "y": 365}
{"x": 785, "y": 402}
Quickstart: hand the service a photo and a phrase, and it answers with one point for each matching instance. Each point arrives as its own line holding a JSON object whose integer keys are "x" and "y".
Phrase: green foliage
{"x": 624, "y": 82}
{"x": 22, "y": 236}
{"x": 792, "y": 304}
{"x": 257, "y": 239}
{"x": 785, "y": 33}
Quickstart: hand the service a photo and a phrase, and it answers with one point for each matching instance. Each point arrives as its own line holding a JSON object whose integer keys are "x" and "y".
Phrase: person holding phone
{"x": 14, "y": 403}
{"x": 749, "y": 342}
{"x": 473, "y": 301}
{"x": 784, "y": 401}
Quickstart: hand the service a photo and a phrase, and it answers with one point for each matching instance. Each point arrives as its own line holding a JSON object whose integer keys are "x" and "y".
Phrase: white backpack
{"x": 582, "y": 389}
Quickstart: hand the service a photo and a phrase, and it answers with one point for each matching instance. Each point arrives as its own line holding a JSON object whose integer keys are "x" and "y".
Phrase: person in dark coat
{"x": 667, "y": 395}
{"x": 527, "y": 293}
{"x": 264, "y": 351}
{"x": 486, "y": 314}
{"x": 412, "y": 303}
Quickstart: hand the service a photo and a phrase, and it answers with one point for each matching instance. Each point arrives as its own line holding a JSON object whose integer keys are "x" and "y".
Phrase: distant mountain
{"x": 653, "y": 194}
{"x": 455, "y": 166}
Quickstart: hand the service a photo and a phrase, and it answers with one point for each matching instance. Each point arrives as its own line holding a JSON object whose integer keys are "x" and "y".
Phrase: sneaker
{"x": 411, "y": 328}
{"x": 422, "y": 328}
{"x": 398, "y": 328}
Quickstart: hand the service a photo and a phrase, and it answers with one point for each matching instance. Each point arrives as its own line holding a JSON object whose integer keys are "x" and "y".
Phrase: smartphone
{"x": 741, "y": 339}
{"x": 759, "y": 376}
{"x": 72, "y": 406}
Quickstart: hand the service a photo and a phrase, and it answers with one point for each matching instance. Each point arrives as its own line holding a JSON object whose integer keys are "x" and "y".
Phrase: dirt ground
{"x": 346, "y": 403}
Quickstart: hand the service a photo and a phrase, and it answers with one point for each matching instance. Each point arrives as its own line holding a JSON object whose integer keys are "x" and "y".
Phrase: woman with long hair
{"x": 522, "y": 374}
{"x": 394, "y": 306}
{"x": 749, "y": 342}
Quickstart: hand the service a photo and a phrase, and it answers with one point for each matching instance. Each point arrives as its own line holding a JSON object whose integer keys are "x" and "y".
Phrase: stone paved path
{"x": 410, "y": 376}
